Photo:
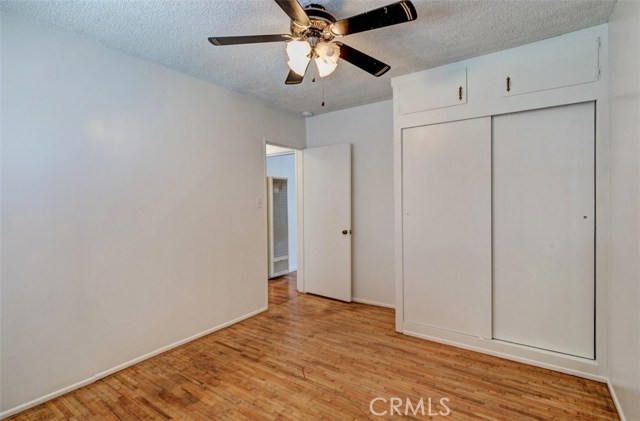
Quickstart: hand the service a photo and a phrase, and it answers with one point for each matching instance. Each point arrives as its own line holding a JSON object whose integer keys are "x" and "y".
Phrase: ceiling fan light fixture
{"x": 299, "y": 56}
{"x": 326, "y": 58}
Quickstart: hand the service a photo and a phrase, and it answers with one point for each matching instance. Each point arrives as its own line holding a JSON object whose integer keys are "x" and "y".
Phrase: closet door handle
{"x": 460, "y": 93}
{"x": 345, "y": 232}
{"x": 508, "y": 84}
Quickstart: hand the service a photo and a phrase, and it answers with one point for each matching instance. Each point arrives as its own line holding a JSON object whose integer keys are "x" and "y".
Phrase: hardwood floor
{"x": 309, "y": 358}
{"x": 283, "y": 289}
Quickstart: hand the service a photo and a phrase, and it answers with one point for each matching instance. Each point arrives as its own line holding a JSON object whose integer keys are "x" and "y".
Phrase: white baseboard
{"x": 122, "y": 366}
{"x": 559, "y": 363}
{"x": 372, "y": 303}
{"x": 616, "y": 402}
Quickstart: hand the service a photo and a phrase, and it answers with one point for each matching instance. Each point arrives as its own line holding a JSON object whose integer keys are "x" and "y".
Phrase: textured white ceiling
{"x": 174, "y": 33}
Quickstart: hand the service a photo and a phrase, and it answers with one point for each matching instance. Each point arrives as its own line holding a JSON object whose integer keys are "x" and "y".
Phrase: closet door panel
{"x": 544, "y": 226}
{"x": 446, "y": 170}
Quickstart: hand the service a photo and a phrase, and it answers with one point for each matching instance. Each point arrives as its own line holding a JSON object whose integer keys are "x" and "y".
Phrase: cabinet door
{"x": 543, "y": 198}
{"x": 568, "y": 64}
{"x": 446, "y": 192}
{"x": 433, "y": 89}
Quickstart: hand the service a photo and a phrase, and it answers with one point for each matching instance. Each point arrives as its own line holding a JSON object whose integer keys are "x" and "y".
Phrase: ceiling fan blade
{"x": 248, "y": 39}
{"x": 392, "y": 14}
{"x": 293, "y": 78}
{"x": 297, "y": 14}
{"x": 363, "y": 61}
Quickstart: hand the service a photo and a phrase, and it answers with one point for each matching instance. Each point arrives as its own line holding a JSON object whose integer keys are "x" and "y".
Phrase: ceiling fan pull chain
{"x": 323, "y": 92}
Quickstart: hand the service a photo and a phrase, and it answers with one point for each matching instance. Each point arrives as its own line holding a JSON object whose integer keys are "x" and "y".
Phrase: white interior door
{"x": 327, "y": 221}
{"x": 446, "y": 203}
{"x": 544, "y": 222}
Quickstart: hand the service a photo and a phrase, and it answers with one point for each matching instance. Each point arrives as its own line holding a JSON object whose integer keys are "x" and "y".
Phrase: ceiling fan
{"x": 315, "y": 33}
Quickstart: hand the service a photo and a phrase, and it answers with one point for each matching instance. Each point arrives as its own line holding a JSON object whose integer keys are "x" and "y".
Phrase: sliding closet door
{"x": 446, "y": 191}
{"x": 544, "y": 221}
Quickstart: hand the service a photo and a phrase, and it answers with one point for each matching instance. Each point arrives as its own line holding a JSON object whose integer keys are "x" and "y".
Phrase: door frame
{"x": 299, "y": 205}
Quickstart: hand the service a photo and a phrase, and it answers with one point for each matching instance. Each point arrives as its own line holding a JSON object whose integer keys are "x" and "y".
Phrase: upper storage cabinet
{"x": 542, "y": 74}
{"x": 432, "y": 89}
{"x": 567, "y": 64}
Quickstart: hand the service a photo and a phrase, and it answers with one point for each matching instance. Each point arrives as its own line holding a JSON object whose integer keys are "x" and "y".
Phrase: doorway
{"x": 318, "y": 222}
{"x": 282, "y": 211}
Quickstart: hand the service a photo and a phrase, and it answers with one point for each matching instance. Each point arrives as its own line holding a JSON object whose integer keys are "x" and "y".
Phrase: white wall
{"x": 624, "y": 290}
{"x": 369, "y": 129}
{"x": 285, "y": 166}
{"x": 129, "y": 208}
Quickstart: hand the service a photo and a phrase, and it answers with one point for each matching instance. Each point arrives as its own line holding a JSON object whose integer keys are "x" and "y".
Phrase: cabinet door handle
{"x": 508, "y": 84}
{"x": 460, "y": 93}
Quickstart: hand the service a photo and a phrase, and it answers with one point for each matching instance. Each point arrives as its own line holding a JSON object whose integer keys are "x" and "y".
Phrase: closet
{"x": 499, "y": 167}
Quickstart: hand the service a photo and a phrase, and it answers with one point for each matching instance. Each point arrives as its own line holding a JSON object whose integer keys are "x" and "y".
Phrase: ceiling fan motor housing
{"x": 319, "y": 29}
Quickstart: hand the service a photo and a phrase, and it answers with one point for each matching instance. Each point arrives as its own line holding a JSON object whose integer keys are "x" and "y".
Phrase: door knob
{"x": 345, "y": 232}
